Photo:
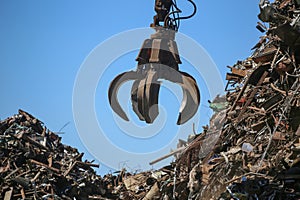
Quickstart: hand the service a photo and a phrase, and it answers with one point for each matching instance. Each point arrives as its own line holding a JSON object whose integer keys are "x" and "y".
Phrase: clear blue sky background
{"x": 43, "y": 44}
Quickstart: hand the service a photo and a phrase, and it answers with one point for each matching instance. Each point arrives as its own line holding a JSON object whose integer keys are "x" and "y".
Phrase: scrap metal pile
{"x": 250, "y": 150}
{"x": 257, "y": 155}
{"x": 34, "y": 164}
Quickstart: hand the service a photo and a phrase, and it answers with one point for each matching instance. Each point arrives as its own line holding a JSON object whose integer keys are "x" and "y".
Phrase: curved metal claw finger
{"x": 113, "y": 91}
{"x": 191, "y": 94}
{"x": 150, "y": 97}
{"x": 191, "y": 99}
{"x": 134, "y": 99}
{"x": 141, "y": 97}
{"x": 144, "y": 97}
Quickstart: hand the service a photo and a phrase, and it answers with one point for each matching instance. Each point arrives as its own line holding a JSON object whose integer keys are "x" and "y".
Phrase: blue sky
{"x": 44, "y": 43}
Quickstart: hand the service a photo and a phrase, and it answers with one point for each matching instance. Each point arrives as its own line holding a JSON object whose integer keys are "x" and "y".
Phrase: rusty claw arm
{"x": 191, "y": 99}
{"x": 191, "y": 94}
{"x": 151, "y": 94}
{"x": 113, "y": 91}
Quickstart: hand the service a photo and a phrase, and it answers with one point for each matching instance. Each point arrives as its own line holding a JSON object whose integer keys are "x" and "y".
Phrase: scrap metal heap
{"x": 34, "y": 164}
{"x": 250, "y": 150}
{"x": 257, "y": 154}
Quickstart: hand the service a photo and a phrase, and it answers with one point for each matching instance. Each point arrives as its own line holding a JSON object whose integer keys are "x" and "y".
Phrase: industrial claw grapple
{"x": 158, "y": 59}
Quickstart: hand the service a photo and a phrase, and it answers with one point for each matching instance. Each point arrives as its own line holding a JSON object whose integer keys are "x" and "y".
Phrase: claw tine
{"x": 134, "y": 99}
{"x": 191, "y": 94}
{"x": 151, "y": 97}
{"x": 113, "y": 92}
{"x": 191, "y": 99}
{"x": 141, "y": 98}
{"x": 190, "y": 83}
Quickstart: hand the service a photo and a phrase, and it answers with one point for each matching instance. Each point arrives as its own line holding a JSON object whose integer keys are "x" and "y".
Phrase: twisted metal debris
{"x": 257, "y": 154}
{"x": 34, "y": 164}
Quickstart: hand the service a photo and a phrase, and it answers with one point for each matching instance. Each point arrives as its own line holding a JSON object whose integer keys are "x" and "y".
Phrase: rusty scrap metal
{"x": 250, "y": 149}
{"x": 33, "y": 163}
{"x": 256, "y": 152}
